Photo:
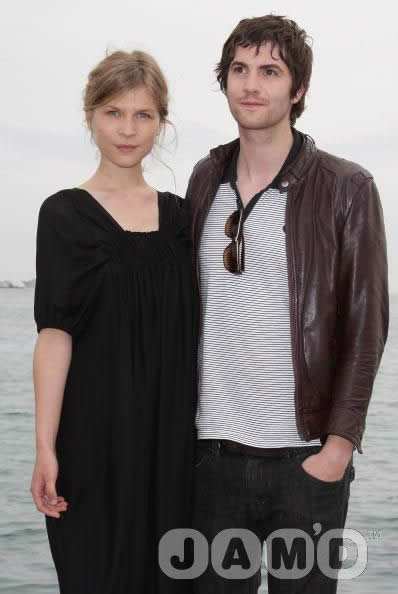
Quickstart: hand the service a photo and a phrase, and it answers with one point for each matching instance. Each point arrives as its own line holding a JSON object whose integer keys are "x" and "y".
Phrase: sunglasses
{"x": 234, "y": 254}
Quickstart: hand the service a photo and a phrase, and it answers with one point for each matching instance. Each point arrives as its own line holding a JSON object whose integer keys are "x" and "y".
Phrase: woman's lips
{"x": 126, "y": 148}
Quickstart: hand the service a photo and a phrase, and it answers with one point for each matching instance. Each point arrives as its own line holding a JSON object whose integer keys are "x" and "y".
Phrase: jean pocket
{"x": 315, "y": 480}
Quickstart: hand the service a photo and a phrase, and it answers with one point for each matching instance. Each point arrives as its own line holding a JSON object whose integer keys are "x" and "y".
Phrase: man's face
{"x": 259, "y": 88}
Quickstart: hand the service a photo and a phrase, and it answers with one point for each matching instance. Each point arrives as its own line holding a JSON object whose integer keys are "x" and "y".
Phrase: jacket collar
{"x": 222, "y": 154}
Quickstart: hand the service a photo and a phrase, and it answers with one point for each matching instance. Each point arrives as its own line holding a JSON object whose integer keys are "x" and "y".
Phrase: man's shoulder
{"x": 202, "y": 172}
{"x": 217, "y": 157}
{"x": 346, "y": 180}
{"x": 344, "y": 170}
{"x": 203, "y": 165}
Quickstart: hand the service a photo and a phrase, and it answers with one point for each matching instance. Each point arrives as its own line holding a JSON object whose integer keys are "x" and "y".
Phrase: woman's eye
{"x": 270, "y": 72}
{"x": 144, "y": 115}
{"x": 112, "y": 113}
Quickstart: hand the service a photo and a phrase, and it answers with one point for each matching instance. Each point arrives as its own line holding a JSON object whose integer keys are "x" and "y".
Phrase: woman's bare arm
{"x": 51, "y": 361}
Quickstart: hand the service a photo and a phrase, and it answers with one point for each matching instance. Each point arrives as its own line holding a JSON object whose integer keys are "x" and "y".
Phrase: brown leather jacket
{"x": 337, "y": 270}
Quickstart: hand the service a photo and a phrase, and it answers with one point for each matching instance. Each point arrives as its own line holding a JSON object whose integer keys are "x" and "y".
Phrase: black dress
{"x": 125, "y": 442}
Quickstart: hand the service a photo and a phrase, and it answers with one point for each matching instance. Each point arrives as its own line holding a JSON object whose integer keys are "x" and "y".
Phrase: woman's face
{"x": 125, "y": 127}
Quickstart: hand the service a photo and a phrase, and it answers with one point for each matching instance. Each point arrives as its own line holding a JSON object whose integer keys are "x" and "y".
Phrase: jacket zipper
{"x": 289, "y": 236}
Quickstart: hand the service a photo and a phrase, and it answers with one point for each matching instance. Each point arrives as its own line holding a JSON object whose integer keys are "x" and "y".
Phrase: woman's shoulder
{"x": 63, "y": 210}
{"x": 174, "y": 209}
{"x": 172, "y": 200}
{"x": 58, "y": 204}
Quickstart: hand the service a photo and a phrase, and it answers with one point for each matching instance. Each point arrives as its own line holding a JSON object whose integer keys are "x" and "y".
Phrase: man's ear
{"x": 298, "y": 95}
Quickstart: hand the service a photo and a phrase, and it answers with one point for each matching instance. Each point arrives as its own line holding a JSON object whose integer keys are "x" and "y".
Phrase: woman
{"x": 116, "y": 308}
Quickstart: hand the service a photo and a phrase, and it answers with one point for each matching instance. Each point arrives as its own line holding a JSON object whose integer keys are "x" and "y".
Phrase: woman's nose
{"x": 128, "y": 128}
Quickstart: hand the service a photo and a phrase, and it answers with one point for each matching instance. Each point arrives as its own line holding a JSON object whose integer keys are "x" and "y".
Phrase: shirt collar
{"x": 230, "y": 170}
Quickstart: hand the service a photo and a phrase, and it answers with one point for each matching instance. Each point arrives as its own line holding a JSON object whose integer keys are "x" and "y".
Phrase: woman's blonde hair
{"x": 123, "y": 71}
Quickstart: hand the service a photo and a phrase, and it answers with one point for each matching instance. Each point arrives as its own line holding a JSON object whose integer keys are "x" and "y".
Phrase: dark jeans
{"x": 262, "y": 495}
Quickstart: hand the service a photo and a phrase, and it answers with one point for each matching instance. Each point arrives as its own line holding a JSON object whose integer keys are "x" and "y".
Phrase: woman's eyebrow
{"x": 108, "y": 105}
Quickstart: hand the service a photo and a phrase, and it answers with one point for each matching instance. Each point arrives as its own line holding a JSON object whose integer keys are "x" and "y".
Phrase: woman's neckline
{"x": 108, "y": 214}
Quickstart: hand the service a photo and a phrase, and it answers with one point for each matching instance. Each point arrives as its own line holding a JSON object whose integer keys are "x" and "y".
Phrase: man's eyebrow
{"x": 271, "y": 66}
{"x": 243, "y": 64}
{"x": 236, "y": 63}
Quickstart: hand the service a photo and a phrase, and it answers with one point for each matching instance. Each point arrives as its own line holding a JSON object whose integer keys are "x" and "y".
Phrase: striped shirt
{"x": 246, "y": 378}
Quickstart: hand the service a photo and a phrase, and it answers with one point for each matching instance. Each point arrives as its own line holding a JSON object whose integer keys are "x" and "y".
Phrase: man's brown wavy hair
{"x": 281, "y": 32}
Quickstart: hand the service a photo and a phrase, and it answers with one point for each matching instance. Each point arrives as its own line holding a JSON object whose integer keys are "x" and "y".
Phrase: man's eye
{"x": 112, "y": 113}
{"x": 270, "y": 72}
{"x": 237, "y": 69}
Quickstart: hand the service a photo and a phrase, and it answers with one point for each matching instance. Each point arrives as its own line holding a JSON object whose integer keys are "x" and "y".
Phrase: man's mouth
{"x": 251, "y": 103}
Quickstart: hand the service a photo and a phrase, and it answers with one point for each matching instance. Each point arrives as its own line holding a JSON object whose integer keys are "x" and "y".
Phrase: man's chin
{"x": 245, "y": 123}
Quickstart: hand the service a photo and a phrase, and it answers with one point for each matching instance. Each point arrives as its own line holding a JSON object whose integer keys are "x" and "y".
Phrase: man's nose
{"x": 251, "y": 84}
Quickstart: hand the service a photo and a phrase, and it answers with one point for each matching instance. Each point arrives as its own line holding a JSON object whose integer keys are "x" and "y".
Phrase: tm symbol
{"x": 374, "y": 534}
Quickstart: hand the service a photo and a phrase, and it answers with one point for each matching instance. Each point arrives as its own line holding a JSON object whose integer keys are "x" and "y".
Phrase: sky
{"x": 49, "y": 47}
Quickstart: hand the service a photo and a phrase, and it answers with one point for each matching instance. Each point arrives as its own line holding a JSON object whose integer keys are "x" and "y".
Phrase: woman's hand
{"x": 51, "y": 361}
{"x": 43, "y": 488}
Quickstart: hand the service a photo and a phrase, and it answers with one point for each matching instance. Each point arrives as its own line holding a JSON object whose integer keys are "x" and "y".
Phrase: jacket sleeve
{"x": 198, "y": 185}
{"x": 188, "y": 193}
{"x": 362, "y": 313}
{"x": 199, "y": 180}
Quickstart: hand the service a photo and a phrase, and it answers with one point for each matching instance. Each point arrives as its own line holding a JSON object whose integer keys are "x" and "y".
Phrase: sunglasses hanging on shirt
{"x": 234, "y": 253}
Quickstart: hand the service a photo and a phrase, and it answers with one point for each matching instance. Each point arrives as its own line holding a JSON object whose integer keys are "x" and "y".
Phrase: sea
{"x": 26, "y": 565}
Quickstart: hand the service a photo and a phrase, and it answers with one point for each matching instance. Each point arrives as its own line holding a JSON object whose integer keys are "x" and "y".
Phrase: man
{"x": 291, "y": 258}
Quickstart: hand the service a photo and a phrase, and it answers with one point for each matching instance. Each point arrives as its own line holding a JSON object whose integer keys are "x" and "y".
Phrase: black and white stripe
{"x": 246, "y": 379}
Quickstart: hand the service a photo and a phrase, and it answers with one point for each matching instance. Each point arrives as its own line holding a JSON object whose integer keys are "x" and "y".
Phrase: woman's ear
{"x": 89, "y": 115}
{"x": 160, "y": 128}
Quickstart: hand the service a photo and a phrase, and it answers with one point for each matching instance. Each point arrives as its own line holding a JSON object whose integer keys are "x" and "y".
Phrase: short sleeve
{"x": 67, "y": 269}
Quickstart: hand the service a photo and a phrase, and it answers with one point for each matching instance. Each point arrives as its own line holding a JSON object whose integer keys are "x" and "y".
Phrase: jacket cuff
{"x": 346, "y": 423}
